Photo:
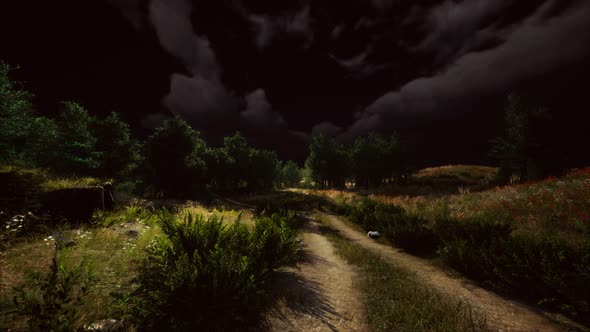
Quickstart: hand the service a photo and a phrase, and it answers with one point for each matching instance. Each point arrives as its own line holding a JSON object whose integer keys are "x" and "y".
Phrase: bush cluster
{"x": 544, "y": 267}
{"x": 52, "y": 300}
{"x": 211, "y": 276}
{"x": 406, "y": 230}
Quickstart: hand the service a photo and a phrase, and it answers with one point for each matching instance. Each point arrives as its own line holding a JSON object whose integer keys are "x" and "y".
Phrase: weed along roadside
{"x": 498, "y": 312}
{"x": 395, "y": 300}
{"x": 136, "y": 268}
{"x": 528, "y": 242}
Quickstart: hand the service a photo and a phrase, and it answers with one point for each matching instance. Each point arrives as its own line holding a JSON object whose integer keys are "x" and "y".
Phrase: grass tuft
{"x": 394, "y": 301}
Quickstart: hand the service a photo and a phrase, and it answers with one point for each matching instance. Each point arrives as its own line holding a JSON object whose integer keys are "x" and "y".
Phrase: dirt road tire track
{"x": 320, "y": 296}
{"x": 502, "y": 314}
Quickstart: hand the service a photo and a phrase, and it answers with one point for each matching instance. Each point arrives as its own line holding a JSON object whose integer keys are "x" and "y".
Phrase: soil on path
{"x": 502, "y": 314}
{"x": 320, "y": 296}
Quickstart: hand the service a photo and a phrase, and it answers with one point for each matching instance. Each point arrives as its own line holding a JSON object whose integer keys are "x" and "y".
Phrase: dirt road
{"x": 320, "y": 296}
{"x": 502, "y": 314}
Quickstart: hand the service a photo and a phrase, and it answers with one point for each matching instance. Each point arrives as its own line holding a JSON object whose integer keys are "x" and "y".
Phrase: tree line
{"x": 176, "y": 161}
{"x": 370, "y": 161}
{"x": 173, "y": 161}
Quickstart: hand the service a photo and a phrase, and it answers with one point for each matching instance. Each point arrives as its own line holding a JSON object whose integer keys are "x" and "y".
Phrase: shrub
{"x": 542, "y": 267}
{"x": 174, "y": 159}
{"x": 211, "y": 276}
{"x": 408, "y": 231}
{"x": 471, "y": 245}
{"x": 24, "y": 136}
{"x": 53, "y": 301}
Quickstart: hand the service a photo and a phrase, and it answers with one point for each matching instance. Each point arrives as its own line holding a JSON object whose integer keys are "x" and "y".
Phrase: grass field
{"x": 394, "y": 301}
{"x": 530, "y": 240}
{"x": 115, "y": 247}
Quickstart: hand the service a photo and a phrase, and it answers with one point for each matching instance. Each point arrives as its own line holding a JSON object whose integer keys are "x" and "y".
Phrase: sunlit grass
{"x": 71, "y": 182}
{"x": 113, "y": 252}
{"x": 48, "y": 181}
{"x": 114, "y": 247}
{"x": 467, "y": 173}
{"x": 228, "y": 216}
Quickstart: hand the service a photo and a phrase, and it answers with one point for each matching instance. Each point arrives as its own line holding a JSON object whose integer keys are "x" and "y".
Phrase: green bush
{"x": 544, "y": 268}
{"x": 210, "y": 276}
{"x": 408, "y": 231}
{"x": 52, "y": 301}
{"x": 471, "y": 246}
{"x": 20, "y": 189}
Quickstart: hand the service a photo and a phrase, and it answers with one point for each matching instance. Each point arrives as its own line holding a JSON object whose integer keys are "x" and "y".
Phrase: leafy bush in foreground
{"x": 52, "y": 301}
{"x": 210, "y": 276}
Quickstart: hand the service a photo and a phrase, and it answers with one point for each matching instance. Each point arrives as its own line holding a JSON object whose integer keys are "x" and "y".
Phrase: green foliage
{"x": 290, "y": 175}
{"x": 20, "y": 189}
{"x": 174, "y": 158}
{"x": 264, "y": 170}
{"x": 52, "y": 301}
{"x": 119, "y": 151}
{"x": 236, "y": 166}
{"x": 128, "y": 214}
{"x": 467, "y": 243}
{"x": 24, "y": 137}
{"x": 209, "y": 276}
{"x": 370, "y": 162}
{"x": 522, "y": 145}
{"x": 77, "y": 142}
{"x": 405, "y": 230}
{"x": 328, "y": 162}
{"x": 375, "y": 159}
{"x": 396, "y": 302}
{"x": 541, "y": 267}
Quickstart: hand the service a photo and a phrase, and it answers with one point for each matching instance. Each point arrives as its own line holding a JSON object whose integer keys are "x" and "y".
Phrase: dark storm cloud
{"x": 201, "y": 97}
{"x": 259, "y": 114}
{"x": 456, "y": 28}
{"x": 268, "y": 128}
{"x": 153, "y": 121}
{"x": 538, "y": 44}
{"x": 130, "y": 9}
{"x": 327, "y": 129}
{"x": 171, "y": 19}
{"x": 268, "y": 28}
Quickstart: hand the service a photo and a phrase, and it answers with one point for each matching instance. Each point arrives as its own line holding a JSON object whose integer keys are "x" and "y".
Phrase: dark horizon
{"x": 436, "y": 72}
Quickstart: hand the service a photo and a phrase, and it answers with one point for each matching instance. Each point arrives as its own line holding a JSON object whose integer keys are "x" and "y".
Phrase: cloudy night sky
{"x": 436, "y": 72}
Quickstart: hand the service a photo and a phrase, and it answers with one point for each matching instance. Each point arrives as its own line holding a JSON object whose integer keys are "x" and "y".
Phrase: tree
{"x": 76, "y": 140}
{"x": 519, "y": 150}
{"x": 24, "y": 137}
{"x": 216, "y": 164}
{"x": 290, "y": 175}
{"x": 264, "y": 170}
{"x": 375, "y": 159}
{"x": 328, "y": 162}
{"x": 237, "y": 154}
{"x": 174, "y": 159}
{"x": 119, "y": 151}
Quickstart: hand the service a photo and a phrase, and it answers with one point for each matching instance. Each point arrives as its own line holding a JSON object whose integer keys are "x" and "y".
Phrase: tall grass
{"x": 543, "y": 267}
{"x": 403, "y": 229}
{"x": 211, "y": 276}
{"x": 548, "y": 267}
{"x": 51, "y": 301}
{"x": 395, "y": 302}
